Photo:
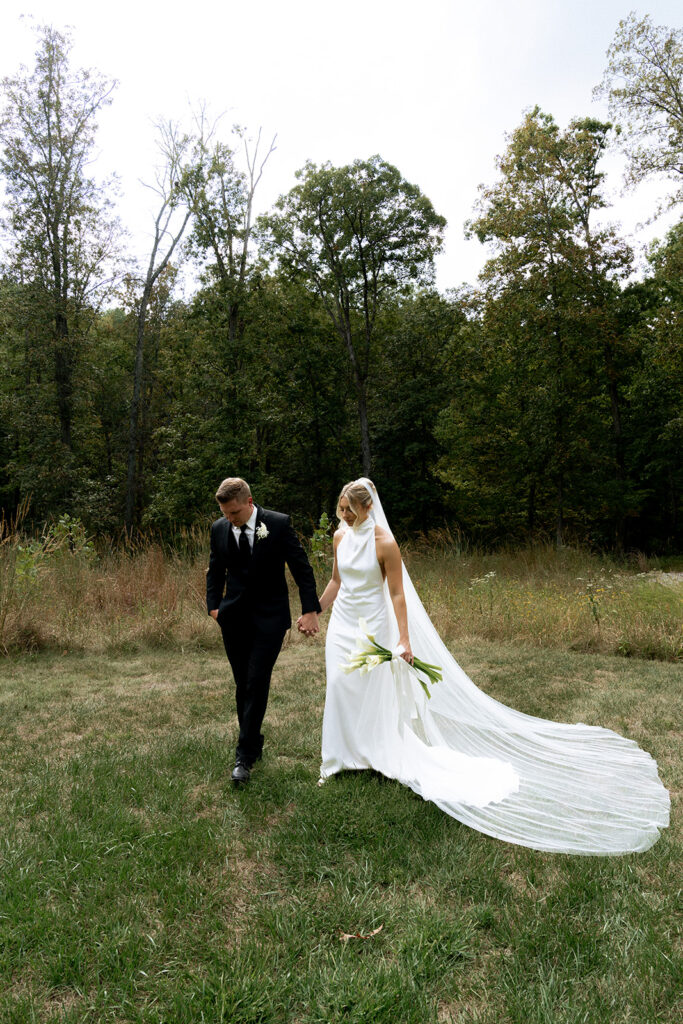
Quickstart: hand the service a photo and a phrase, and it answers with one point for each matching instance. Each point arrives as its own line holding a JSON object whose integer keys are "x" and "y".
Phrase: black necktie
{"x": 245, "y": 547}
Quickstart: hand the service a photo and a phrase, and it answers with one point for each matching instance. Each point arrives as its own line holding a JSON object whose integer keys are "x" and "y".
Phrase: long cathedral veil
{"x": 582, "y": 789}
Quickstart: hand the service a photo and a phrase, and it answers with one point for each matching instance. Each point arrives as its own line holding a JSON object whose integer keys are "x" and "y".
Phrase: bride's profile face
{"x": 349, "y": 516}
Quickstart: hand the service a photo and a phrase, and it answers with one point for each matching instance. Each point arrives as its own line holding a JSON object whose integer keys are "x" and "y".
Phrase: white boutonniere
{"x": 261, "y": 531}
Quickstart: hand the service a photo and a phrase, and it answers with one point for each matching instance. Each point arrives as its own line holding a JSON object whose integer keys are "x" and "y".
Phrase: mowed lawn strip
{"x": 137, "y": 885}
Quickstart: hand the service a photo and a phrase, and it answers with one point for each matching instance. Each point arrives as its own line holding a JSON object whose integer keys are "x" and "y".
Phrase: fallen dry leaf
{"x": 357, "y": 935}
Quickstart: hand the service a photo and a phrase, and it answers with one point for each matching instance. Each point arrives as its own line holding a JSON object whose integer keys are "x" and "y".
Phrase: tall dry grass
{"x": 569, "y": 599}
{"x": 68, "y": 596}
{"x": 57, "y": 592}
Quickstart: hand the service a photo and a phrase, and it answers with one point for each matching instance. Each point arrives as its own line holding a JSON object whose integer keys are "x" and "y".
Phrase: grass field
{"x": 138, "y": 886}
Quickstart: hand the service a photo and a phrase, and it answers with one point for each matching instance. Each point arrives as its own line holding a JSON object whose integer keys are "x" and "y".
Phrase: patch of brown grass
{"x": 148, "y": 598}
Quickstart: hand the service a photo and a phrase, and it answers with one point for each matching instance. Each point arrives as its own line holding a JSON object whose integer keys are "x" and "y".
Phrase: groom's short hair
{"x": 233, "y": 488}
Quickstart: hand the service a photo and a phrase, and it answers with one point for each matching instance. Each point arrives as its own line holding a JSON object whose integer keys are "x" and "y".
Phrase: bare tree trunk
{"x": 63, "y": 378}
{"x": 559, "y": 522}
{"x": 133, "y": 438}
{"x": 173, "y": 146}
{"x": 620, "y": 468}
{"x": 673, "y": 514}
{"x": 343, "y": 326}
{"x": 364, "y": 429}
{"x": 234, "y": 331}
{"x": 559, "y": 415}
{"x": 531, "y": 508}
{"x": 612, "y": 383}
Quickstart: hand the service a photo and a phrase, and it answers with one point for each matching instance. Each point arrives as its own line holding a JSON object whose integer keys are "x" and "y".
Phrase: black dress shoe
{"x": 240, "y": 773}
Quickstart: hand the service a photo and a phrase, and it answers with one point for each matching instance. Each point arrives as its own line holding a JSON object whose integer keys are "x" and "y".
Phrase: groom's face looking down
{"x": 238, "y": 511}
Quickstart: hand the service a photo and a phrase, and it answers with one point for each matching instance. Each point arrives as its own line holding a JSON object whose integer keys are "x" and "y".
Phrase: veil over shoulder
{"x": 547, "y": 785}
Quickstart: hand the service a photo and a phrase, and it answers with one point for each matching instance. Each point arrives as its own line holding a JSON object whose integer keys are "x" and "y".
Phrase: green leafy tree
{"x": 551, "y": 294}
{"x": 103, "y": 389}
{"x": 274, "y": 408}
{"x": 576, "y": 155}
{"x": 59, "y": 229}
{"x": 308, "y": 434}
{"x": 643, "y": 83}
{"x": 359, "y": 235}
{"x": 414, "y": 380}
{"x": 653, "y": 314}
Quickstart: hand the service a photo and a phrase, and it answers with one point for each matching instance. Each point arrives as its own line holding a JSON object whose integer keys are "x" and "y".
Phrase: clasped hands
{"x": 308, "y": 624}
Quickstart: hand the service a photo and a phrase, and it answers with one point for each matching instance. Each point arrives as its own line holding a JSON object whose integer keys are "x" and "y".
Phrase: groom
{"x": 246, "y": 593}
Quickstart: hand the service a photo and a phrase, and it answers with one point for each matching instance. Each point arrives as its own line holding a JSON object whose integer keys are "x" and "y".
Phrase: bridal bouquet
{"x": 369, "y": 654}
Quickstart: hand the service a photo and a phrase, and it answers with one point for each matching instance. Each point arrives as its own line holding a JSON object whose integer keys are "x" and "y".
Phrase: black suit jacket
{"x": 258, "y": 594}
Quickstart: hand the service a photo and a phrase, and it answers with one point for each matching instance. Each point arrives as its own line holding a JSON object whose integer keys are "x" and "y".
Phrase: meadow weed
{"x": 58, "y": 592}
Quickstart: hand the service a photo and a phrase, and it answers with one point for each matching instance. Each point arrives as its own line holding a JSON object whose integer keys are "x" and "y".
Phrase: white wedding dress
{"x": 542, "y": 784}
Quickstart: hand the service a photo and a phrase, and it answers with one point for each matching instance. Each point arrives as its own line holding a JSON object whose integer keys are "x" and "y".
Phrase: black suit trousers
{"x": 252, "y": 653}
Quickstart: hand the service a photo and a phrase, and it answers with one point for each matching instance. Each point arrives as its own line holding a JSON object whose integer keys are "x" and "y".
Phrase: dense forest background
{"x": 544, "y": 403}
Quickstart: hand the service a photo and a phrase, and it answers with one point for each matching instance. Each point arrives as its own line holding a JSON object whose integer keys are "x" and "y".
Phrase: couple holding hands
{"x": 537, "y": 783}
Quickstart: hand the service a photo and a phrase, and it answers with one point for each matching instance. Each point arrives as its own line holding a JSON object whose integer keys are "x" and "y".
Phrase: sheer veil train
{"x": 582, "y": 789}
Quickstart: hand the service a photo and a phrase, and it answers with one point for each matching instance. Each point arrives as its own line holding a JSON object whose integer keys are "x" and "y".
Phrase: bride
{"x": 563, "y": 788}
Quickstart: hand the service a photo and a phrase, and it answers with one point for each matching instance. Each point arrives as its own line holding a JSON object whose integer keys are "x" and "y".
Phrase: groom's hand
{"x": 214, "y": 613}
{"x": 308, "y": 623}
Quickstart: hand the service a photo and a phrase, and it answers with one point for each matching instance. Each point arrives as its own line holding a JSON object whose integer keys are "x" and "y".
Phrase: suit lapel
{"x": 256, "y": 550}
{"x": 233, "y": 549}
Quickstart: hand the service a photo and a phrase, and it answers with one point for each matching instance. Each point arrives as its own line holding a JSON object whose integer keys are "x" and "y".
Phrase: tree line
{"x": 542, "y": 402}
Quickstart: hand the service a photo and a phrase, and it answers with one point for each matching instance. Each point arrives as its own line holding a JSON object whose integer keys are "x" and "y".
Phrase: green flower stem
{"x": 368, "y": 657}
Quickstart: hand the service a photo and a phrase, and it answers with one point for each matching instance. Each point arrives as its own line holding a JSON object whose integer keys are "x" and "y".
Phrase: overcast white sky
{"x": 432, "y": 86}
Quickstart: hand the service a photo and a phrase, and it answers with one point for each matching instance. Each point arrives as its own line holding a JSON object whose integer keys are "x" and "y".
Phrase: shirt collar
{"x": 250, "y": 524}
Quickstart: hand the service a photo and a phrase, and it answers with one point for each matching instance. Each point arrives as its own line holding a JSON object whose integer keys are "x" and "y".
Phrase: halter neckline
{"x": 368, "y": 523}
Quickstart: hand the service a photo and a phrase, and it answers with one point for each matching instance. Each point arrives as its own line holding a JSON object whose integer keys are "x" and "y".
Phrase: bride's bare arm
{"x": 332, "y": 588}
{"x": 389, "y": 558}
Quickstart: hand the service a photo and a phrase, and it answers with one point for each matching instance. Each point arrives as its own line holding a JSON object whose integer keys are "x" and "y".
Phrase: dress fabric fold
{"x": 546, "y": 785}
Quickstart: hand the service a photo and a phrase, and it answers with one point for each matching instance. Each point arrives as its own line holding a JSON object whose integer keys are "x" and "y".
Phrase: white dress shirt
{"x": 250, "y": 530}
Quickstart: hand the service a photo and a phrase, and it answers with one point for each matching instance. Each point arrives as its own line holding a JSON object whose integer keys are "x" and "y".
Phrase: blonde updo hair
{"x": 357, "y": 495}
